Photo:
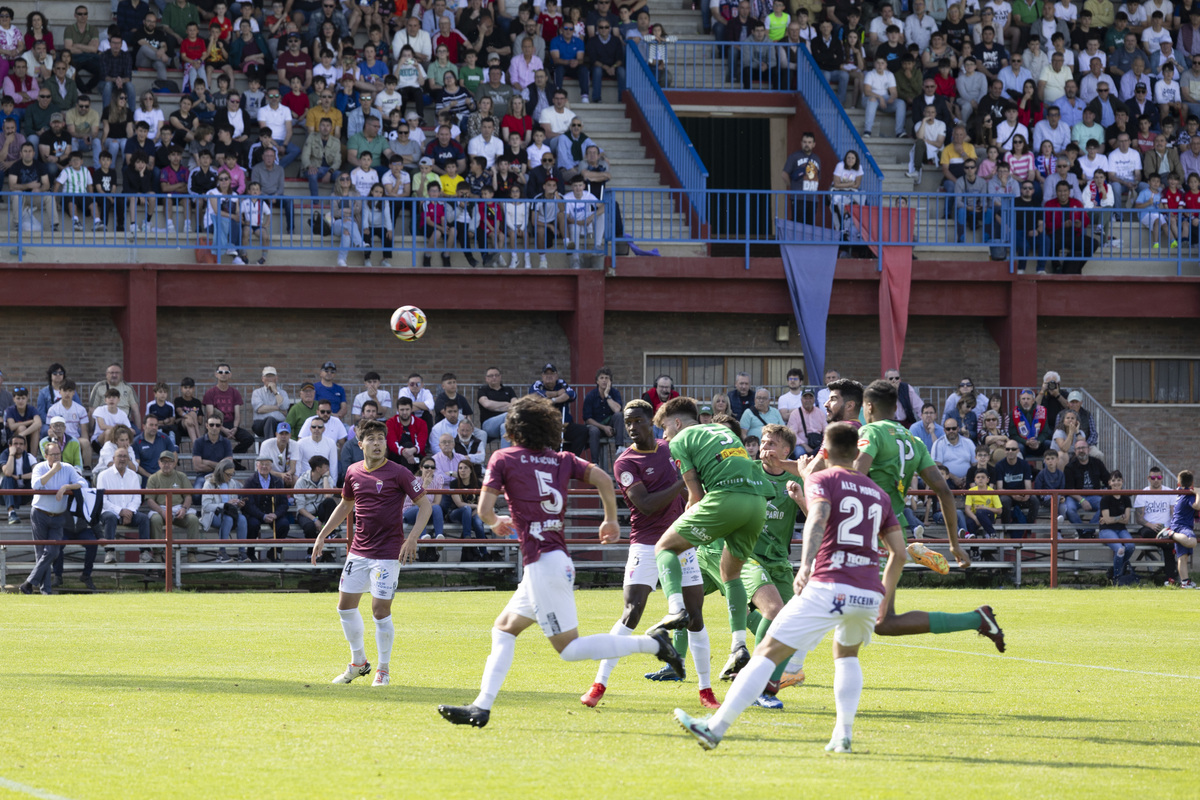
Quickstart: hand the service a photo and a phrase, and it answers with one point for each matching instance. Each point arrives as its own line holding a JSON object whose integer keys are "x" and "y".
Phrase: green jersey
{"x": 720, "y": 461}
{"x": 896, "y": 456}
{"x": 775, "y": 541}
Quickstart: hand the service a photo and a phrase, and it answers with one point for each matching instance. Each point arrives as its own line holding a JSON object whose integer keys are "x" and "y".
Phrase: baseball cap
{"x": 306, "y": 385}
{"x": 1027, "y": 391}
{"x": 56, "y": 117}
{"x": 706, "y": 409}
{"x": 269, "y": 371}
{"x": 262, "y": 457}
{"x": 412, "y": 114}
{"x": 56, "y": 420}
{"x": 283, "y": 426}
{"x": 493, "y": 57}
{"x": 808, "y": 392}
{"x": 426, "y": 162}
{"x": 167, "y": 455}
{"x": 549, "y": 368}
{"x": 1075, "y": 395}
{"x": 329, "y": 365}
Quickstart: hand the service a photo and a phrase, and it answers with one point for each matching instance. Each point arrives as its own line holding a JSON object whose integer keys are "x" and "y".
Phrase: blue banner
{"x": 809, "y": 269}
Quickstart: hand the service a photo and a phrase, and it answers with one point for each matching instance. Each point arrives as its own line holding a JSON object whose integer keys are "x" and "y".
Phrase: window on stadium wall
{"x": 736, "y": 151}
{"x": 704, "y": 375}
{"x": 1161, "y": 381}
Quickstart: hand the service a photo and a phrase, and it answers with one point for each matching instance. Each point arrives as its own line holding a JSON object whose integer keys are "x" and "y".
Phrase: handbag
{"x": 814, "y": 440}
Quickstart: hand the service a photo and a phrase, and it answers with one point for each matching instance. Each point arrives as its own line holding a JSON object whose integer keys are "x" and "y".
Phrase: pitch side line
{"x": 32, "y": 791}
{"x": 1037, "y": 660}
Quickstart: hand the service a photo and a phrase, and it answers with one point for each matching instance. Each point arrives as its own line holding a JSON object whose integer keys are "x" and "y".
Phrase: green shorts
{"x": 709, "y": 559}
{"x": 756, "y": 575}
{"x": 736, "y": 518}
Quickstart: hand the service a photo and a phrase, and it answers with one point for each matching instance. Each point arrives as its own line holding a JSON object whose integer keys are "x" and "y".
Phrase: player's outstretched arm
{"x": 610, "y": 529}
{"x": 814, "y": 530}
{"x": 893, "y": 540}
{"x": 408, "y": 552}
{"x": 336, "y": 518}
{"x": 934, "y": 480}
{"x": 777, "y": 465}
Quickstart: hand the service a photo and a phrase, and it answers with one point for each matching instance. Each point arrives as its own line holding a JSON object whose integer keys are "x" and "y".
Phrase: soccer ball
{"x": 408, "y": 323}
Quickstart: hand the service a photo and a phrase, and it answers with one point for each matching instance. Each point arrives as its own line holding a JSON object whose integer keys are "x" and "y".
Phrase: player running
{"x": 654, "y": 491}
{"x": 837, "y": 588}
{"x": 726, "y": 503}
{"x": 375, "y": 489}
{"x": 534, "y": 479}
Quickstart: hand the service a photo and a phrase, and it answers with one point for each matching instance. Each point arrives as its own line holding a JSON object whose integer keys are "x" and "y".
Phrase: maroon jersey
{"x": 535, "y": 486}
{"x": 859, "y": 512}
{"x": 378, "y": 497}
{"x": 656, "y": 470}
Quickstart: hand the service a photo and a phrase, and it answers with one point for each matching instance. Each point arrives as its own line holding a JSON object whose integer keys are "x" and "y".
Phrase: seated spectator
{"x": 927, "y": 428}
{"x": 279, "y": 120}
{"x": 408, "y": 436}
{"x": 464, "y": 508}
{"x": 210, "y": 450}
{"x": 956, "y": 452}
{"x": 1014, "y": 473}
{"x": 109, "y": 415}
{"x": 270, "y": 404}
{"x": 567, "y": 58}
{"x": 1116, "y": 513}
{"x": 1084, "y": 475}
{"x": 808, "y": 422}
{"x": 560, "y": 393}
{"x": 760, "y": 413}
{"x": 494, "y": 399}
{"x": 22, "y": 418}
{"x": 122, "y": 509}
{"x": 189, "y": 410}
{"x": 68, "y": 446}
{"x": 148, "y": 446}
{"x": 981, "y": 505}
{"x": 16, "y": 465}
{"x": 335, "y": 429}
{"x": 602, "y": 413}
{"x": 282, "y": 451}
{"x": 223, "y": 510}
{"x": 879, "y": 93}
{"x": 431, "y": 480}
{"x": 268, "y": 510}
{"x": 185, "y": 524}
{"x": 1028, "y": 425}
{"x": 448, "y": 425}
{"x": 314, "y": 510}
{"x": 931, "y": 131}
{"x": 227, "y": 400}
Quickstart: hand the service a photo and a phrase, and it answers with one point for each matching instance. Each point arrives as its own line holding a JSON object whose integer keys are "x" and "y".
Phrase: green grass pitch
{"x": 228, "y": 696}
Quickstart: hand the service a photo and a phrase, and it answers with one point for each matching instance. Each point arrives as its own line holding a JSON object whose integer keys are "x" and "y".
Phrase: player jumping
{"x": 726, "y": 502}
{"x": 534, "y": 479}
{"x": 837, "y": 588}
{"x": 653, "y": 489}
{"x": 375, "y": 489}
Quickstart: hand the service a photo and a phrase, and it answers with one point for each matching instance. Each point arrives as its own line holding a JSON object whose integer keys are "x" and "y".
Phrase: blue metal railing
{"x": 970, "y": 223}
{"x": 643, "y": 86}
{"x": 758, "y": 67}
{"x": 408, "y": 227}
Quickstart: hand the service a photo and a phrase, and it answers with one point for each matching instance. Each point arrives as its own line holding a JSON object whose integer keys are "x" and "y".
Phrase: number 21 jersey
{"x": 535, "y": 485}
{"x": 859, "y": 511}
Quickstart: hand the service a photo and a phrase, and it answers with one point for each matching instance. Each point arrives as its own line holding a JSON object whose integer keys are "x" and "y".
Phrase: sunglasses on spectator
{"x": 223, "y": 372}
{"x": 427, "y": 466}
{"x": 949, "y": 428}
{"x": 316, "y": 427}
{"x": 325, "y": 413}
{"x": 43, "y": 97}
{"x": 81, "y": 13}
{"x": 966, "y": 383}
{"x": 214, "y": 424}
{"x": 1010, "y": 449}
{"x": 604, "y": 27}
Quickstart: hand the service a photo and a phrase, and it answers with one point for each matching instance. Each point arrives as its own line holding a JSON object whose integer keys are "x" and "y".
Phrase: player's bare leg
{"x": 670, "y": 574}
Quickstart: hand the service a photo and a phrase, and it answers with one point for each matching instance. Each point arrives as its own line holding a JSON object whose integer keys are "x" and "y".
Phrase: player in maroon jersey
{"x": 653, "y": 489}
{"x": 375, "y": 489}
{"x": 534, "y": 478}
{"x": 837, "y": 588}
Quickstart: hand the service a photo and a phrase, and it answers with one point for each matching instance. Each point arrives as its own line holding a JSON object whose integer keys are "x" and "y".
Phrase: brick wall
{"x": 938, "y": 351}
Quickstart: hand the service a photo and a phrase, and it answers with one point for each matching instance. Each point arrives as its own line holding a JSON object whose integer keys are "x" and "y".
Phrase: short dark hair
{"x": 848, "y": 389}
{"x": 841, "y": 440}
{"x": 882, "y": 395}
{"x": 366, "y": 427}
{"x": 404, "y": 401}
{"x": 371, "y": 376}
{"x": 318, "y": 461}
{"x": 730, "y": 422}
{"x": 677, "y": 407}
{"x": 799, "y": 373}
{"x": 1184, "y": 479}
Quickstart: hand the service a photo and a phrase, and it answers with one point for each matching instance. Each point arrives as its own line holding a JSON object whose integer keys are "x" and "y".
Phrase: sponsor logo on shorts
{"x": 861, "y": 600}
{"x": 552, "y": 623}
{"x": 701, "y": 534}
{"x": 839, "y": 602}
{"x": 381, "y": 575}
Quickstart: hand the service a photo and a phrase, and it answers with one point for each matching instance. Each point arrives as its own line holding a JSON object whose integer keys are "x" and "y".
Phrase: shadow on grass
{"x": 318, "y": 689}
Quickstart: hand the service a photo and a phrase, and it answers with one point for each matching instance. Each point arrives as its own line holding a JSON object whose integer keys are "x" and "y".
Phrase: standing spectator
{"x": 1116, "y": 512}
{"x": 181, "y": 512}
{"x": 227, "y": 400}
{"x": 270, "y": 404}
{"x": 602, "y": 409}
{"x": 802, "y": 172}
{"x": 49, "y": 516}
{"x": 122, "y": 509}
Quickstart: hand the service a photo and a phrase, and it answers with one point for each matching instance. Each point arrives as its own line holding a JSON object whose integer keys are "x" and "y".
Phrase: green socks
{"x": 735, "y": 596}
{"x": 753, "y": 621}
{"x": 948, "y": 623}
{"x": 680, "y": 640}
{"x": 670, "y": 574}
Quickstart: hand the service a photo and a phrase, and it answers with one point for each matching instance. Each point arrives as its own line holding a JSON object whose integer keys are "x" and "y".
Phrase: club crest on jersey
{"x": 839, "y": 603}
{"x": 378, "y": 486}
{"x": 626, "y": 479}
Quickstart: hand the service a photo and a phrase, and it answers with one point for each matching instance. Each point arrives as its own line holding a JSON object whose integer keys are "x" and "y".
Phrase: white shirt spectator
{"x": 1001, "y": 12}
{"x": 1068, "y": 13}
{"x": 1085, "y": 59}
{"x": 421, "y": 44}
{"x": 73, "y": 416}
{"x": 558, "y": 123}
{"x": 1136, "y": 18}
{"x": 1089, "y": 165}
{"x": 957, "y": 458}
{"x": 1059, "y": 136}
{"x": 1166, "y": 92}
{"x": 1123, "y": 165}
{"x": 1087, "y": 87}
{"x": 277, "y": 119}
{"x": 424, "y": 396}
{"x": 280, "y": 460}
{"x": 363, "y": 180}
{"x": 382, "y": 396}
{"x": 788, "y": 401}
{"x": 307, "y": 448}
{"x": 335, "y": 429}
{"x": 491, "y": 150}
{"x": 880, "y": 84}
{"x": 117, "y": 418}
{"x": 919, "y": 30}
{"x": 1151, "y": 39}
{"x": 1156, "y": 508}
{"x": 112, "y": 478}
{"x": 1005, "y": 133}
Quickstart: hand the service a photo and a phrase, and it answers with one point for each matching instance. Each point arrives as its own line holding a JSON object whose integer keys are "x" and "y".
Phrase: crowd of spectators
{"x": 488, "y": 88}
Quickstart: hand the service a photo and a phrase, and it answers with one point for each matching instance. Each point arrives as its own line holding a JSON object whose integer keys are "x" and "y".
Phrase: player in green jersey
{"x": 726, "y": 502}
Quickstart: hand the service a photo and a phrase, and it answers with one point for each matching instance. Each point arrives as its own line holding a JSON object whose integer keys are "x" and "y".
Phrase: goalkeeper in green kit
{"x": 727, "y": 501}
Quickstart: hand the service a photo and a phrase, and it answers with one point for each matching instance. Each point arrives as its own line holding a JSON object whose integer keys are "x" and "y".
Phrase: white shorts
{"x": 377, "y": 576}
{"x": 547, "y": 594}
{"x": 642, "y": 568}
{"x": 825, "y": 607}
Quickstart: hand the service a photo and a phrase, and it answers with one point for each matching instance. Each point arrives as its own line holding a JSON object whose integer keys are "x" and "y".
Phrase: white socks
{"x": 739, "y": 639}
{"x": 701, "y": 655}
{"x": 496, "y": 668}
{"x": 607, "y": 665}
{"x": 797, "y": 662}
{"x": 606, "y": 645}
{"x": 385, "y": 634}
{"x": 674, "y": 603}
{"x": 746, "y": 688}
{"x": 847, "y": 689}
{"x": 352, "y": 627}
